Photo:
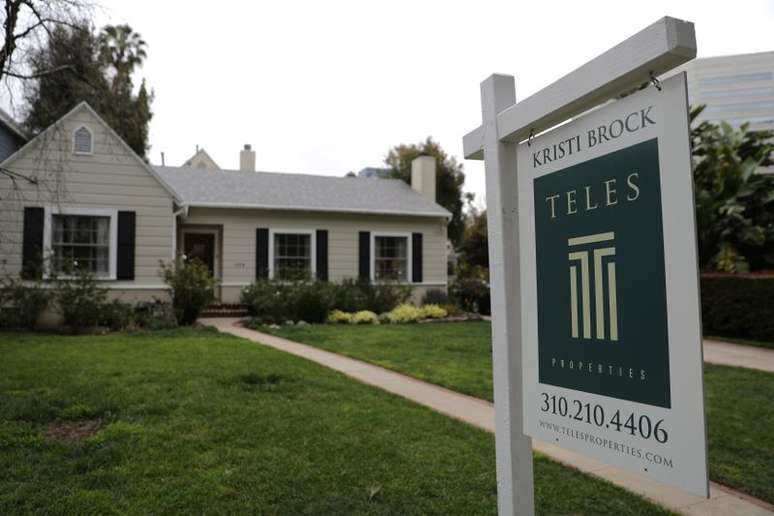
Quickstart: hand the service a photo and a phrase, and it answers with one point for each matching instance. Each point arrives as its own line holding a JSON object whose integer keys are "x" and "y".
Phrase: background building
{"x": 737, "y": 88}
{"x": 382, "y": 173}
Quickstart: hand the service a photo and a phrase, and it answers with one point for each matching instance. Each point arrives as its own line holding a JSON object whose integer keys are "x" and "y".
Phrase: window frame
{"x": 91, "y": 141}
{"x": 409, "y": 257}
{"x": 294, "y": 231}
{"x": 48, "y": 229}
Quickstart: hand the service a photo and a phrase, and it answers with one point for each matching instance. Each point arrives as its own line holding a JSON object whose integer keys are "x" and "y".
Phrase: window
{"x": 391, "y": 258}
{"x": 82, "y": 141}
{"x": 81, "y": 241}
{"x": 292, "y": 256}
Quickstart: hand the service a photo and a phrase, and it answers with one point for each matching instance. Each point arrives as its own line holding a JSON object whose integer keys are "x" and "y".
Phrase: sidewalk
{"x": 726, "y": 353}
{"x": 480, "y": 413}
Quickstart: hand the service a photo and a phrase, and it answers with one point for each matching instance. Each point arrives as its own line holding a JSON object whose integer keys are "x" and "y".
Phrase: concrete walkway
{"x": 480, "y": 413}
{"x": 726, "y": 353}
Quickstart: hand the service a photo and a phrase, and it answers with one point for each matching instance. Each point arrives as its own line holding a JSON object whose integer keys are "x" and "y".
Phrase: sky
{"x": 329, "y": 87}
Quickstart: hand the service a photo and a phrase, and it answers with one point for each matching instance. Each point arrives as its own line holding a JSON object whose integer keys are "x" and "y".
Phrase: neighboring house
{"x": 201, "y": 160}
{"x": 120, "y": 216}
{"x": 11, "y": 136}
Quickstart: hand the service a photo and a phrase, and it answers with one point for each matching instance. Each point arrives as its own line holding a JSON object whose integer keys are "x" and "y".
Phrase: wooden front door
{"x": 202, "y": 247}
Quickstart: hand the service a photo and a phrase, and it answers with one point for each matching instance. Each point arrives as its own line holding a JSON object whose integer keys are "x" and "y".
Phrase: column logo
{"x": 581, "y": 271}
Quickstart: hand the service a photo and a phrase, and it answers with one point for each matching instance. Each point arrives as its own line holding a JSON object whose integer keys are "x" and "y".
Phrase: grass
{"x": 192, "y": 421}
{"x": 745, "y": 342}
{"x": 458, "y": 356}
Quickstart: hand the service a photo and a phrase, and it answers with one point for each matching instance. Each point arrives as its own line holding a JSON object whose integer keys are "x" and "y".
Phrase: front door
{"x": 202, "y": 247}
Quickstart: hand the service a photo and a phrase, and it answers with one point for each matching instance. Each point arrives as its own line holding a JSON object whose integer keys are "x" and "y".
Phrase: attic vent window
{"x": 82, "y": 141}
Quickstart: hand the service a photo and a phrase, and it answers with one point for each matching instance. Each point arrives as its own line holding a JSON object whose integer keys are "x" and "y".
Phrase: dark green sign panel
{"x": 602, "y": 319}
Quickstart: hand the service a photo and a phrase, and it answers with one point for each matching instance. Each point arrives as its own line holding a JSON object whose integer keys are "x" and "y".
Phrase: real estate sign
{"x": 612, "y": 358}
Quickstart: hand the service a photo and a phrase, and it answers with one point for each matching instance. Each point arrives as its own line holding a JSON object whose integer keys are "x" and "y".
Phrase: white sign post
{"x": 558, "y": 321}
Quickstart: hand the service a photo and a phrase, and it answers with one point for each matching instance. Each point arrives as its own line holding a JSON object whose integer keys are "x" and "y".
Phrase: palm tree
{"x": 123, "y": 49}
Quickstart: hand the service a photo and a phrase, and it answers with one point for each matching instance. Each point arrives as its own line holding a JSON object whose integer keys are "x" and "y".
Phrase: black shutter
{"x": 262, "y": 253}
{"x": 321, "y": 251}
{"x": 32, "y": 245}
{"x": 416, "y": 257}
{"x": 364, "y": 256}
{"x": 126, "y": 233}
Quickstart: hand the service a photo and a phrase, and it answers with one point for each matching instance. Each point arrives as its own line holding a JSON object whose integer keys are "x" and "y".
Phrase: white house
{"x": 97, "y": 202}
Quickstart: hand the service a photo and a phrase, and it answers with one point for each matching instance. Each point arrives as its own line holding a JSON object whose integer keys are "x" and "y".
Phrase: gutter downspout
{"x": 184, "y": 212}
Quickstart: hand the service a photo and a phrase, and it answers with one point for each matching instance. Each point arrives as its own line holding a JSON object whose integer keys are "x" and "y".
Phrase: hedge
{"x": 735, "y": 305}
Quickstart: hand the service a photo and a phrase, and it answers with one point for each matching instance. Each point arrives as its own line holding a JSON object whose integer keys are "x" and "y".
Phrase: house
{"x": 11, "y": 135}
{"x": 102, "y": 205}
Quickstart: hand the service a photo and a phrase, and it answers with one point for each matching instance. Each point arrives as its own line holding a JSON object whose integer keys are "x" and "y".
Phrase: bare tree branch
{"x": 38, "y": 74}
{"x": 27, "y": 22}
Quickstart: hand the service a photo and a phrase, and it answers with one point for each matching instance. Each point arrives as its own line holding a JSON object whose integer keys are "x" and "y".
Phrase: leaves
{"x": 734, "y": 214}
{"x": 97, "y": 68}
{"x": 449, "y": 178}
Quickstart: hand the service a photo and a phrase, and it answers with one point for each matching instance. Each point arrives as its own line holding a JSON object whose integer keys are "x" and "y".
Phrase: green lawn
{"x": 740, "y": 410}
{"x": 193, "y": 421}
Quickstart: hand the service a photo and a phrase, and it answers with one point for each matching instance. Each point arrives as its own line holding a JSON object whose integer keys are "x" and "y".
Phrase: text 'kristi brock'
{"x": 631, "y": 123}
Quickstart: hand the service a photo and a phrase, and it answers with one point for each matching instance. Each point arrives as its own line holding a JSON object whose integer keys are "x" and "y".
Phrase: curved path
{"x": 723, "y": 501}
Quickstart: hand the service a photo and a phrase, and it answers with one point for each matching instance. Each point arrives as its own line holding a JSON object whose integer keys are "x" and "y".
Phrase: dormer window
{"x": 82, "y": 141}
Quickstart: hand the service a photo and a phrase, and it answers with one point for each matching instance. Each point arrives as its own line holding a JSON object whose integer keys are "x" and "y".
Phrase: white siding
{"x": 238, "y": 243}
{"x": 111, "y": 177}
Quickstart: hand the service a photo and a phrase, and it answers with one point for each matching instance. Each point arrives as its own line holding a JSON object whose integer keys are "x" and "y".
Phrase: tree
{"x": 80, "y": 76}
{"x": 123, "y": 50}
{"x": 734, "y": 204}
{"x": 449, "y": 178}
{"x": 100, "y": 68}
{"x": 474, "y": 245}
{"x": 26, "y": 23}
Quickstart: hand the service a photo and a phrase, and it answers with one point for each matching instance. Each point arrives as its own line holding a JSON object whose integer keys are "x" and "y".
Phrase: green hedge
{"x": 736, "y": 305}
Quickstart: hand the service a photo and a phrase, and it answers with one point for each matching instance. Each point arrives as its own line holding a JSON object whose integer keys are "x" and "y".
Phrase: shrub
{"x": 384, "y": 297}
{"x": 21, "y": 304}
{"x": 354, "y": 296}
{"x": 351, "y": 295}
{"x": 311, "y": 302}
{"x": 266, "y": 300}
{"x": 155, "y": 315}
{"x": 435, "y": 297}
{"x": 117, "y": 315}
{"x": 339, "y": 317}
{"x": 272, "y": 301}
{"x": 738, "y": 306}
{"x": 404, "y": 313}
{"x": 433, "y": 312}
{"x": 79, "y": 299}
{"x": 471, "y": 294}
{"x": 192, "y": 288}
{"x": 453, "y": 310}
{"x": 365, "y": 317}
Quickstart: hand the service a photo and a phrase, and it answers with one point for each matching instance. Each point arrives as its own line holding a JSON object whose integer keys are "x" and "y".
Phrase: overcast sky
{"x": 329, "y": 87}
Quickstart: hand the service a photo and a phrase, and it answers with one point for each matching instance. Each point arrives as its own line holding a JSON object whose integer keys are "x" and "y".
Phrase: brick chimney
{"x": 247, "y": 159}
{"x": 423, "y": 176}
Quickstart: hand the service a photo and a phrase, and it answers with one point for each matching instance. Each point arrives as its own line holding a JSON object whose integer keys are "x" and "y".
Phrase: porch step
{"x": 224, "y": 310}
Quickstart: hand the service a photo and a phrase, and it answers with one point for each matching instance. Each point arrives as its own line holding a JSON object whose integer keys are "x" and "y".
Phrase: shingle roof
{"x": 269, "y": 190}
